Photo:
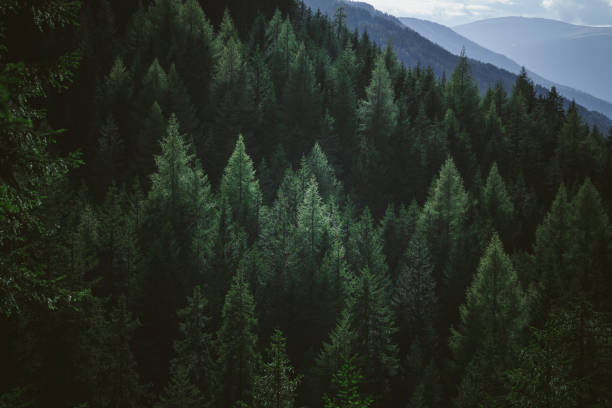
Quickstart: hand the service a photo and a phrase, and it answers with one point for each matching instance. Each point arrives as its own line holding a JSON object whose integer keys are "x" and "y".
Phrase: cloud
{"x": 593, "y": 12}
{"x": 453, "y": 12}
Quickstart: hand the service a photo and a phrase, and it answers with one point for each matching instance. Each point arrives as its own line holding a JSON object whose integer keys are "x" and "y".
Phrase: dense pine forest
{"x": 245, "y": 204}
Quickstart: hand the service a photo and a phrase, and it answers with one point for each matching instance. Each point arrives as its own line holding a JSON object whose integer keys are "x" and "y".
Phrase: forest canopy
{"x": 209, "y": 205}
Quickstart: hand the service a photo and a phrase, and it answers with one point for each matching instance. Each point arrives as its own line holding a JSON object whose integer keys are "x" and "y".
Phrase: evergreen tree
{"x": 590, "y": 246}
{"x": 414, "y": 293}
{"x": 347, "y": 381}
{"x": 237, "y": 340}
{"x": 442, "y": 223}
{"x": 552, "y": 255}
{"x": 497, "y": 206}
{"x": 377, "y": 116}
{"x": 276, "y": 383}
{"x": 240, "y": 190}
{"x": 373, "y": 324}
{"x": 492, "y": 319}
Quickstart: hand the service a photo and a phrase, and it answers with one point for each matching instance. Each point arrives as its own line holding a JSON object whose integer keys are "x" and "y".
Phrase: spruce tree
{"x": 276, "y": 383}
{"x": 497, "y": 206}
{"x": 377, "y": 117}
{"x": 492, "y": 319}
{"x": 348, "y": 395}
{"x": 240, "y": 190}
{"x": 237, "y": 341}
{"x": 373, "y": 325}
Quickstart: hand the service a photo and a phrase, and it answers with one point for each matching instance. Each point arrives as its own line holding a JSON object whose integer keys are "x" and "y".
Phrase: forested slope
{"x": 273, "y": 211}
{"x": 413, "y": 49}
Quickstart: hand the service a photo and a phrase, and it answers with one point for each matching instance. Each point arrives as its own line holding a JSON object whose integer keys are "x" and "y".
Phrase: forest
{"x": 210, "y": 203}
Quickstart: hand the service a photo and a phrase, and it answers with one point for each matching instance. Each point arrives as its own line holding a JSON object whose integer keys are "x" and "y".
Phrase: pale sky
{"x": 454, "y": 12}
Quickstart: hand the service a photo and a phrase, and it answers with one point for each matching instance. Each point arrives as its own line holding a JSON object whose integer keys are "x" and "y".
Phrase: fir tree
{"x": 240, "y": 189}
{"x": 347, "y": 381}
{"x": 237, "y": 340}
{"x": 276, "y": 383}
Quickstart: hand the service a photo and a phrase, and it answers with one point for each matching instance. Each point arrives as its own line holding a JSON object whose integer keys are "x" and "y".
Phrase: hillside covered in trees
{"x": 209, "y": 205}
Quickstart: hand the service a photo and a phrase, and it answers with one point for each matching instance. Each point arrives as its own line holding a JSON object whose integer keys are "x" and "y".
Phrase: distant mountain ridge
{"x": 413, "y": 49}
{"x": 577, "y": 56}
{"x": 453, "y": 42}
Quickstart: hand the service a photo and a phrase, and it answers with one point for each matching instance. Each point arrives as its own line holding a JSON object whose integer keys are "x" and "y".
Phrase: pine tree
{"x": 365, "y": 248}
{"x": 237, "y": 341}
{"x": 377, "y": 116}
{"x": 193, "y": 349}
{"x": 492, "y": 319}
{"x": 311, "y": 226}
{"x": 343, "y": 104}
{"x": 552, "y": 255}
{"x": 497, "y": 206}
{"x": 240, "y": 190}
{"x": 180, "y": 391}
{"x": 462, "y": 95}
{"x": 590, "y": 246}
{"x": 373, "y": 324}
{"x": 443, "y": 223}
{"x": 414, "y": 294}
{"x": 301, "y": 104}
{"x": 347, "y": 381}
{"x": 276, "y": 383}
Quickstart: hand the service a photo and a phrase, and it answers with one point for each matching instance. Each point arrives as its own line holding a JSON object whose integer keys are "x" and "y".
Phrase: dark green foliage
{"x": 347, "y": 381}
{"x": 276, "y": 383}
{"x": 377, "y": 189}
{"x": 237, "y": 338}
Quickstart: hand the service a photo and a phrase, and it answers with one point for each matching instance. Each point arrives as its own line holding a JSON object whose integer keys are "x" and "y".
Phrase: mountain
{"x": 454, "y": 42}
{"x": 414, "y": 49}
{"x": 577, "y": 56}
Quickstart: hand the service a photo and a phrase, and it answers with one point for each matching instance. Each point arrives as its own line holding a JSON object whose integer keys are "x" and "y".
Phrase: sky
{"x": 455, "y": 12}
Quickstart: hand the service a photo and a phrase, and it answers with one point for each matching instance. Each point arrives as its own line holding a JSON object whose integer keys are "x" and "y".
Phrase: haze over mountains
{"x": 576, "y": 56}
{"x": 414, "y": 49}
{"x": 454, "y": 42}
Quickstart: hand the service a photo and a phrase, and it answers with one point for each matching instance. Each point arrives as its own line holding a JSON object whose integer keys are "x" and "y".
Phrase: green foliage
{"x": 240, "y": 189}
{"x": 339, "y": 127}
{"x": 276, "y": 383}
{"x": 347, "y": 381}
{"x": 237, "y": 338}
{"x": 492, "y": 320}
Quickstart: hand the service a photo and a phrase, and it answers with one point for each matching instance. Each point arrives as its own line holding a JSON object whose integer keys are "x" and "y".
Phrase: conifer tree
{"x": 343, "y": 104}
{"x": 230, "y": 95}
{"x": 497, "y": 206}
{"x": 552, "y": 255}
{"x": 338, "y": 349}
{"x": 442, "y": 222}
{"x": 365, "y": 248}
{"x": 237, "y": 340}
{"x": 311, "y": 225}
{"x": 240, "y": 190}
{"x": 347, "y": 381}
{"x": 301, "y": 104}
{"x": 377, "y": 116}
{"x": 492, "y": 319}
{"x": 462, "y": 95}
{"x": 373, "y": 325}
{"x": 276, "y": 383}
{"x": 590, "y": 246}
{"x": 414, "y": 293}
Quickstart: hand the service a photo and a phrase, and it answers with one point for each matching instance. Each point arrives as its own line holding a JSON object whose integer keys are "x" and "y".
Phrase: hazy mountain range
{"x": 413, "y": 48}
{"x": 454, "y": 42}
{"x": 576, "y": 56}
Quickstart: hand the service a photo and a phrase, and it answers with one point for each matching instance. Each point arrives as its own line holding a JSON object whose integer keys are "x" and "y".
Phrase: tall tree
{"x": 276, "y": 383}
{"x": 492, "y": 319}
{"x": 240, "y": 190}
{"x": 237, "y": 340}
{"x": 377, "y": 116}
{"x": 373, "y": 324}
